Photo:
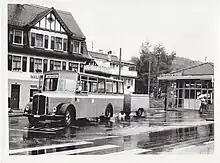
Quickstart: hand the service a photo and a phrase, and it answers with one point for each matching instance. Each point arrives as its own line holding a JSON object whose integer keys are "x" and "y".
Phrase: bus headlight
{"x": 27, "y": 107}
{"x": 54, "y": 110}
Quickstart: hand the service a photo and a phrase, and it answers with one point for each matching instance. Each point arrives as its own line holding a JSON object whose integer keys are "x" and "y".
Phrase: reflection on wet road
{"x": 158, "y": 132}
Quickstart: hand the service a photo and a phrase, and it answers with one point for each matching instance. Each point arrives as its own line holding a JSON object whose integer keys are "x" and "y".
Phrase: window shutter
{"x": 71, "y": 46}
{"x": 81, "y": 48}
{"x": 46, "y": 41}
{"x": 51, "y": 64}
{"x": 24, "y": 64}
{"x": 45, "y": 65}
{"x": 70, "y": 66}
{"x": 25, "y": 38}
{"x": 9, "y": 62}
{"x": 52, "y": 42}
{"x": 10, "y": 36}
{"x": 31, "y": 64}
{"x": 64, "y": 65}
{"x": 32, "y": 39}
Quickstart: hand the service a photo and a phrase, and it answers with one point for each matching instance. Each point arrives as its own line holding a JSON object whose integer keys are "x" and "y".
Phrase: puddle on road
{"x": 139, "y": 128}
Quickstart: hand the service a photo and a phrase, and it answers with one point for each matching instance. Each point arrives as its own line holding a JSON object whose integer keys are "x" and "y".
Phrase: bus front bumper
{"x": 45, "y": 117}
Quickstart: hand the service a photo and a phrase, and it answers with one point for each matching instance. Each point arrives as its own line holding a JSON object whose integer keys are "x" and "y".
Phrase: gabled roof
{"x": 206, "y": 68}
{"x": 23, "y": 15}
{"x": 103, "y": 56}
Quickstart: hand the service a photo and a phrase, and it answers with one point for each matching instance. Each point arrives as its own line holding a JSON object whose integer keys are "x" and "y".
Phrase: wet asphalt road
{"x": 163, "y": 133}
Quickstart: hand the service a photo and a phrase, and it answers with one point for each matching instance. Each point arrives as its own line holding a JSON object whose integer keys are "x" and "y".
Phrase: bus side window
{"x": 101, "y": 86}
{"x": 115, "y": 90}
{"x": 93, "y": 83}
{"x": 120, "y": 88}
{"x": 109, "y": 87}
{"x": 93, "y": 87}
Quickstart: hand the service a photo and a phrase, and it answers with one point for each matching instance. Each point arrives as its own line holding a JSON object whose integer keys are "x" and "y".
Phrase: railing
{"x": 112, "y": 71}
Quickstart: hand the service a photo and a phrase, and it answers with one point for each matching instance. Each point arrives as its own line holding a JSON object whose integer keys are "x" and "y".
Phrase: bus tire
{"x": 127, "y": 115}
{"x": 33, "y": 121}
{"x": 139, "y": 112}
{"x": 69, "y": 117}
{"x": 108, "y": 112}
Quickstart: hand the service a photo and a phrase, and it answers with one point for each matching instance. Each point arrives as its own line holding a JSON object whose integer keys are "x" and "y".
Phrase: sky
{"x": 187, "y": 27}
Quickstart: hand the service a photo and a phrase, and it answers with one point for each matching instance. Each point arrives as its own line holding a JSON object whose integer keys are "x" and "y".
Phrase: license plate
{"x": 37, "y": 116}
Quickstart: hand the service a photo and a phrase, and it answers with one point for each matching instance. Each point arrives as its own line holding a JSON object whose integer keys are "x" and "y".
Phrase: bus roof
{"x": 69, "y": 71}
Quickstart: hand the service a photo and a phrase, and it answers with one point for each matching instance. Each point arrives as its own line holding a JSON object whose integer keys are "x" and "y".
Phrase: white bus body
{"x": 68, "y": 95}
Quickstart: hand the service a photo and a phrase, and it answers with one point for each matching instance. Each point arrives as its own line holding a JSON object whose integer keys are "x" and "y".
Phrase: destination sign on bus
{"x": 52, "y": 76}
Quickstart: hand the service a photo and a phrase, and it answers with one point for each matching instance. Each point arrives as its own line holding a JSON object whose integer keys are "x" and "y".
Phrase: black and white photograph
{"x": 112, "y": 78}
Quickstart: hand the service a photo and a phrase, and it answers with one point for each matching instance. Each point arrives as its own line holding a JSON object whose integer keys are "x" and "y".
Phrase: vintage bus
{"x": 68, "y": 96}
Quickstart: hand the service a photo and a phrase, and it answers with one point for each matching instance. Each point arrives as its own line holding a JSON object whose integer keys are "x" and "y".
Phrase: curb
{"x": 15, "y": 115}
{"x": 209, "y": 119}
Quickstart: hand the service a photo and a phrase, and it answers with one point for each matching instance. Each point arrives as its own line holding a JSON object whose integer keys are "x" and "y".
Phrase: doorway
{"x": 15, "y": 96}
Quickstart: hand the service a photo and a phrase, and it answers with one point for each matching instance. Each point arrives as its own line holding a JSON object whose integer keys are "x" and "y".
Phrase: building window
{"x": 64, "y": 44}
{"x": 75, "y": 46}
{"x": 51, "y": 64}
{"x": 24, "y": 64}
{"x": 73, "y": 66}
{"x": 81, "y": 68}
{"x": 39, "y": 40}
{"x": 186, "y": 93}
{"x": 9, "y": 62}
{"x": 45, "y": 65}
{"x": 18, "y": 37}
{"x": 52, "y": 42}
{"x": 58, "y": 43}
{"x": 132, "y": 68}
{"x": 32, "y": 39}
{"x": 46, "y": 41}
{"x": 16, "y": 63}
{"x": 57, "y": 65}
{"x": 37, "y": 65}
{"x": 64, "y": 66}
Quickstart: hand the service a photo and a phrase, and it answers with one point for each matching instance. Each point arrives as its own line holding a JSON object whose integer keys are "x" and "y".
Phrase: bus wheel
{"x": 127, "y": 115}
{"x": 33, "y": 121}
{"x": 108, "y": 113}
{"x": 139, "y": 112}
{"x": 69, "y": 117}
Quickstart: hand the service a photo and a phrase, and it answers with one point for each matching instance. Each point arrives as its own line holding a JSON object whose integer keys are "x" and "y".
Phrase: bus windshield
{"x": 50, "y": 83}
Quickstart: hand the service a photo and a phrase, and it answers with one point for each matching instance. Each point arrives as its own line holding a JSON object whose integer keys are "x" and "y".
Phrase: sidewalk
{"x": 15, "y": 113}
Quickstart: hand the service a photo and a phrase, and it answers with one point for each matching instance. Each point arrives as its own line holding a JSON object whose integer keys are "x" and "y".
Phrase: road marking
{"x": 49, "y": 147}
{"x": 178, "y": 149}
{"x": 23, "y": 130}
{"x": 131, "y": 152}
{"x": 208, "y": 142}
{"x": 85, "y": 150}
{"x": 104, "y": 137}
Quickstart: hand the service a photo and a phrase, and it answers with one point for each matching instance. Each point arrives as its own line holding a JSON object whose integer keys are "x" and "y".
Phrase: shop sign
{"x": 34, "y": 76}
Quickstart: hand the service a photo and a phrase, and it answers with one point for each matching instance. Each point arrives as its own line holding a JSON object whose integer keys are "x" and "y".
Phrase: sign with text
{"x": 34, "y": 76}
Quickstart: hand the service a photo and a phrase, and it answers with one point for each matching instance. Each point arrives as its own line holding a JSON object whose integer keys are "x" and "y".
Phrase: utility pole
{"x": 149, "y": 69}
{"x": 157, "y": 87}
{"x": 120, "y": 65}
{"x": 92, "y": 45}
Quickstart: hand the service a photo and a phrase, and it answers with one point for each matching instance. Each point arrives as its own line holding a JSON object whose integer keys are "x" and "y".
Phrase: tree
{"x": 161, "y": 62}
